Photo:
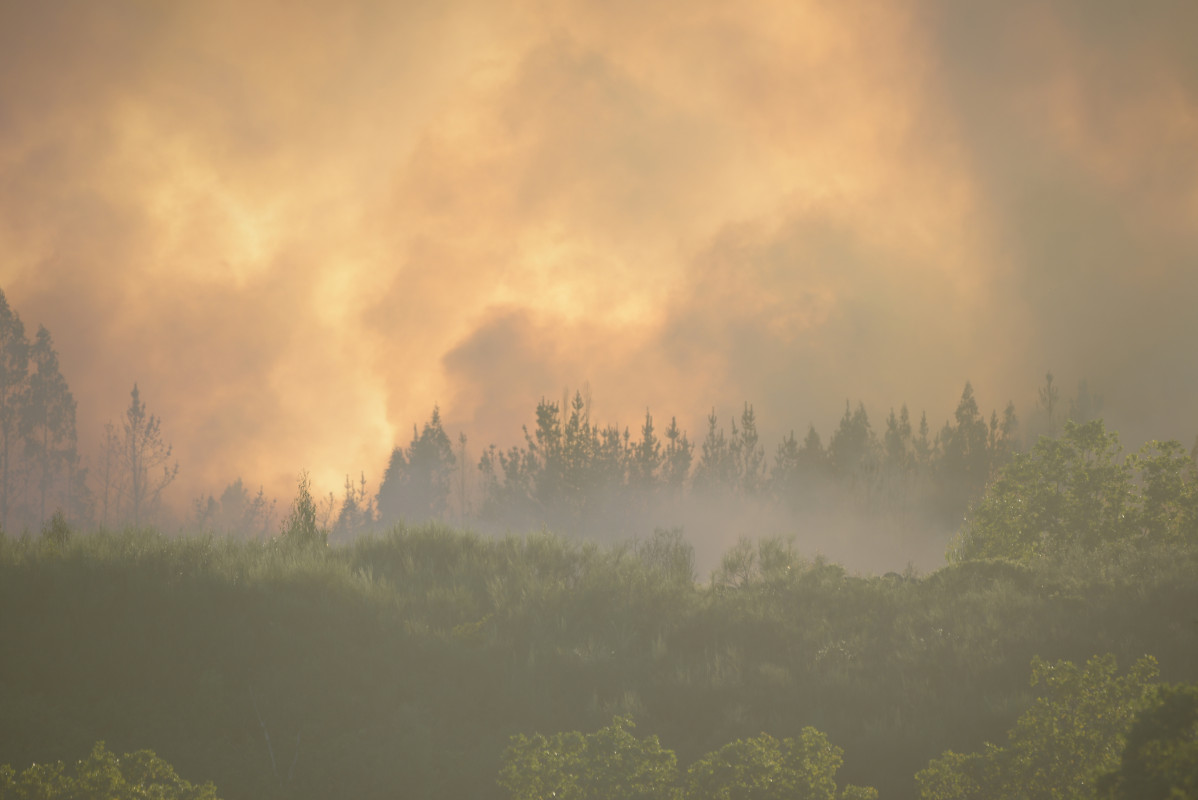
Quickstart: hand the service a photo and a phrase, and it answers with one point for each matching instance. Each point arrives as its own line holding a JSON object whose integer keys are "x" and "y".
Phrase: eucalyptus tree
{"x": 14, "y": 378}
{"x": 49, "y": 427}
{"x": 146, "y": 458}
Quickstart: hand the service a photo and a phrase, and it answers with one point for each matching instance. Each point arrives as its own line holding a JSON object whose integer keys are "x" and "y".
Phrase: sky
{"x": 298, "y": 226}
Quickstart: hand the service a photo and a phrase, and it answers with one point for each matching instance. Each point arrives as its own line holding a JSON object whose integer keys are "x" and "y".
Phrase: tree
{"x": 546, "y": 459}
{"x": 896, "y": 442}
{"x": 1074, "y": 731}
{"x": 965, "y": 454}
{"x": 579, "y": 457}
{"x": 145, "y": 452}
{"x": 463, "y": 504}
{"x": 14, "y": 376}
{"x": 798, "y": 467}
{"x": 1003, "y": 436}
{"x": 300, "y": 528}
{"x": 647, "y": 459}
{"x": 851, "y": 447}
{"x": 1160, "y": 759}
{"x": 134, "y": 776}
{"x": 417, "y": 482}
{"x": 610, "y": 764}
{"x": 670, "y": 555}
{"x": 235, "y": 511}
{"x": 747, "y": 453}
{"x": 110, "y": 475}
{"x": 49, "y": 427}
{"x": 678, "y": 456}
{"x": 1167, "y": 482}
{"x": 785, "y": 473}
{"x": 923, "y": 448}
{"x": 507, "y": 485}
{"x": 764, "y": 768}
{"x": 716, "y": 470}
{"x": 1078, "y": 491}
{"x": 1064, "y": 492}
{"x": 1087, "y": 405}
{"x": 1049, "y": 397}
{"x": 357, "y": 510}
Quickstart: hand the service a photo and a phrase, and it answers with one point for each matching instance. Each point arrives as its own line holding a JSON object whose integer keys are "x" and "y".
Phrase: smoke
{"x": 300, "y": 226}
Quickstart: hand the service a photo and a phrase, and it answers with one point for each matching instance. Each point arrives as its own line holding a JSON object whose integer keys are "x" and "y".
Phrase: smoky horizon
{"x": 298, "y": 229}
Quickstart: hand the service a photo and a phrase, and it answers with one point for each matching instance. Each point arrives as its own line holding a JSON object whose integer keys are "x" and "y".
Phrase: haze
{"x": 298, "y": 226}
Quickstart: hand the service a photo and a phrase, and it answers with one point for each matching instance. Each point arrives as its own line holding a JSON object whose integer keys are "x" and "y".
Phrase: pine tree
{"x": 896, "y": 442}
{"x": 678, "y": 456}
{"x": 748, "y": 455}
{"x": 647, "y": 458}
{"x": 301, "y": 528}
{"x": 357, "y": 511}
{"x": 716, "y": 470}
{"x": 417, "y": 483}
{"x": 851, "y": 448}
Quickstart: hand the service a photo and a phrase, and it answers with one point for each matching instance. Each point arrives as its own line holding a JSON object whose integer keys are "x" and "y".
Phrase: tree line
{"x": 575, "y": 475}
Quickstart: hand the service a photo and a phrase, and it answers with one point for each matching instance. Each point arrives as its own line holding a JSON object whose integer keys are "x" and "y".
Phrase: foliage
{"x": 14, "y": 375}
{"x": 1160, "y": 760}
{"x": 1167, "y": 484}
{"x": 143, "y": 452}
{"x": 613, "y": 763}
{"x": 40, "y": 468}
{"x": 416, "y": 484}
{"x": 970, "y": 451}
{"x": 300, "y": 528}
{"x": 852, "y": 449}
{"x": 1078, "y": 492}
{"x": 356, "y": 514}
{"x": 235, "y": 512}
{"x": 610, "y": 764}
{"x": 56, "y": 530}
{"x": 1072, "y": 733}
{"x": 408, "y": 658}
{"x": 49, "y": 431}
{"x": 580, "y": 478}
{"x": 671, "y": 555}
{"x": 135, "y": 776}
{"x": 764, "y": 768}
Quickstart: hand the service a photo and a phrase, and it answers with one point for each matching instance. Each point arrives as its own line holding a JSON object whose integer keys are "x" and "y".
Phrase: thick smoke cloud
{"x": 300, "y": 225}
